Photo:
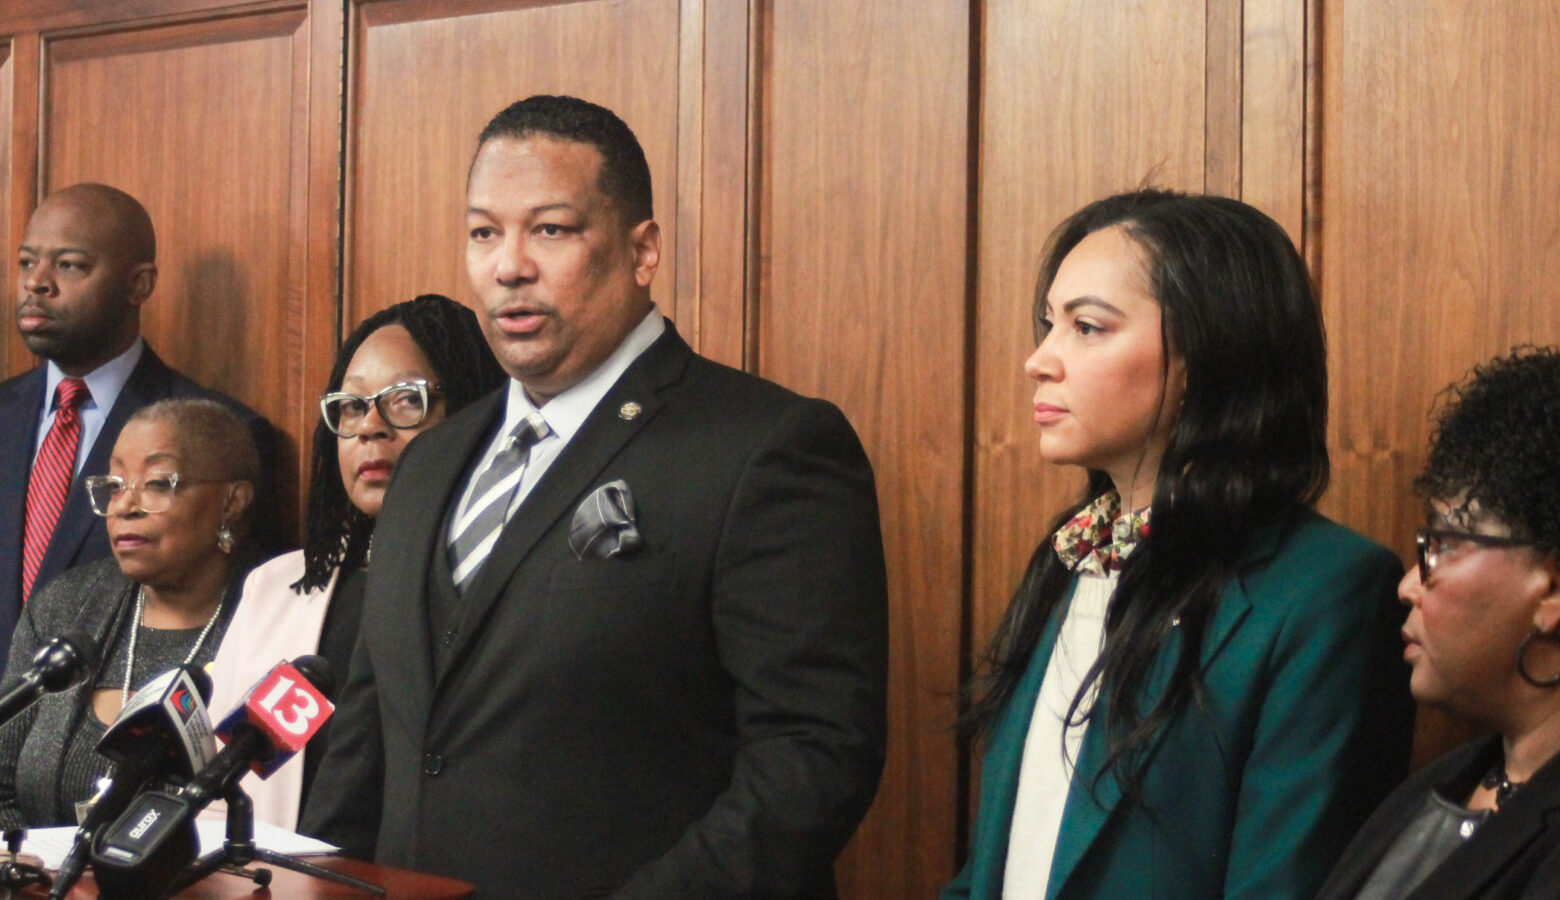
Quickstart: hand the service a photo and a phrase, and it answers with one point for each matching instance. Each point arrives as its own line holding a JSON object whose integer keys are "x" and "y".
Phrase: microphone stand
{"x": 239, "y": 850}
{"x": 14, "y": 874}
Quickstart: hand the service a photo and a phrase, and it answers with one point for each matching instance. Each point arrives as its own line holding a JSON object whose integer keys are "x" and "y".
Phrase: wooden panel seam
{"x": 1311, "y": 242}
{"x": 759, "y": 43}
{"x": 22, "y": 173}
{"x": 404, "y": 12}
{"x": 688, "y": 206}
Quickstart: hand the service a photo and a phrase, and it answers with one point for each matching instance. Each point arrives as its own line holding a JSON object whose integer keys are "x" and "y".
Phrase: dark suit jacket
{"x": 1304, "y": 723}
{"x": 80, "y": 536}
{"x": 702, "y": 718}
{"x": 1514, "y": 854}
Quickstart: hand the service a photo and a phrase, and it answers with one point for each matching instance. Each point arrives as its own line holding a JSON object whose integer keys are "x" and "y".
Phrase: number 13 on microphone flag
{"x": 286, "y": 707}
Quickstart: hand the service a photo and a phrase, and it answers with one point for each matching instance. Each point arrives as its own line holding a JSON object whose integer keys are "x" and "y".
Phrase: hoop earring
{"x": 225, "y": 539}
{"x": 1522, "y": 668}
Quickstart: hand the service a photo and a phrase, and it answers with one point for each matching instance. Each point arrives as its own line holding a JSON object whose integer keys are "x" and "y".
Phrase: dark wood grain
{"x": 205, "y": 122}
{"x": 427, "y": 77}
{"x": 862, "y": 300}
{"x": 1439, "y": 229}
{"x": 854, "y": 198}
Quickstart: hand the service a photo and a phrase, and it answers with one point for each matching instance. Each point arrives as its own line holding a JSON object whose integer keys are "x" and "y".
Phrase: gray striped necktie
{"x": 477, "y": 529}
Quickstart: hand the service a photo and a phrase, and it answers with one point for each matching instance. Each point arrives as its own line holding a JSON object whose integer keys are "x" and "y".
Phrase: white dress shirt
{"x": 103, "y": 386}
{"x": 1046, "y": 773}
{"x": 564, "y": 413}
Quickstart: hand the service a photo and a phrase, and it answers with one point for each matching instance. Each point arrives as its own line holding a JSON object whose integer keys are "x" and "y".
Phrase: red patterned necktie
{"x": 51, "y": 476}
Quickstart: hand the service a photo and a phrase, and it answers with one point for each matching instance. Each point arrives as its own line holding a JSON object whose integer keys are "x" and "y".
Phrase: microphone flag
{"x": 173, "y": 698}
{"x": 286, "y": 707}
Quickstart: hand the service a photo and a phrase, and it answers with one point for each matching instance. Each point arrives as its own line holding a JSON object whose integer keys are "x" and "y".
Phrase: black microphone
{"x": 143, "y": 852}
{"x": 263, "y": 731}
{"x": 60, "y": 664}
{"x": 162, "y": 734}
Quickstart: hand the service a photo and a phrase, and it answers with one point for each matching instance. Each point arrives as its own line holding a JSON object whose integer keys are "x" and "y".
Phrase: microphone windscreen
{"x": 317, "y": 670}
{"x": 65, "y": 661}
{"x": 202, "y": 681}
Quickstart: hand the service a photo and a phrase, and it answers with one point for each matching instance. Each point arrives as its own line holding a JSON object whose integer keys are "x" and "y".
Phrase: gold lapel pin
{"x": 630, "y": 411}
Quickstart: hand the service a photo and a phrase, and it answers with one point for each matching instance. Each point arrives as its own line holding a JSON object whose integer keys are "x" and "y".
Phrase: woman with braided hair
{"x": 398, "y": 374}
{"x": 1483, "y": 640}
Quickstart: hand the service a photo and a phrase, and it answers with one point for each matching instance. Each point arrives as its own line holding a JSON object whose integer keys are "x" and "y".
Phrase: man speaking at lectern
{"x": 626, "y": 623}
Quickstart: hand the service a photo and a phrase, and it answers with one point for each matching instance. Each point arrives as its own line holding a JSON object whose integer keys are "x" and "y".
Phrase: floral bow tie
{"x": 1099, "y": 539}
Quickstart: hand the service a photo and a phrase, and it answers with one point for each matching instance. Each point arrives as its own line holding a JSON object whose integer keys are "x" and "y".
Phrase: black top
{"x": 1514, "y": 854}
{"x": 48, "y": 754}
{"x": 1440, "y": 827}
{"x": 337, "y": 636}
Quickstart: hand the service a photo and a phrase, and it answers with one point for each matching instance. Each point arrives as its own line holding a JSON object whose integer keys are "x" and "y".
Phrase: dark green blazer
{"x": 1305, "y": 725}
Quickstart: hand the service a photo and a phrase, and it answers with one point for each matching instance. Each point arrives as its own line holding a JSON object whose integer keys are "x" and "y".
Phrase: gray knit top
{"x": 48, "y": 755}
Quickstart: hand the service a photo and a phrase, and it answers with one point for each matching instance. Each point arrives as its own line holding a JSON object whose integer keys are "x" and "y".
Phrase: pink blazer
{"x": 272, "y": 623}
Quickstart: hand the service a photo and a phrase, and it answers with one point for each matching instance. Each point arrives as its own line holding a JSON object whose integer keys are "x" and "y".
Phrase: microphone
{"x": 272, "y": 722}
{"x": 145, "y": 849}
{"x": 163, "y": 733}
{"x": 164, "y": 728}
{"x": 63, "y": 662}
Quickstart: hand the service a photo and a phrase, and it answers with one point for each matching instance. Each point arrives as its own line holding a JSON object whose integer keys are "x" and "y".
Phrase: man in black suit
{"x": 87, "y": 263}
{"x": 626, "y": 633}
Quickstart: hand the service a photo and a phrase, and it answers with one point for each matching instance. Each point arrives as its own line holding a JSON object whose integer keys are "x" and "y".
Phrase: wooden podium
{"x": 399, "y": 884}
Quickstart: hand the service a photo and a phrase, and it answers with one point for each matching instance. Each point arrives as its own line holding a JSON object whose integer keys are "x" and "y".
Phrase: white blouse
{"x": 1045, "y": 775}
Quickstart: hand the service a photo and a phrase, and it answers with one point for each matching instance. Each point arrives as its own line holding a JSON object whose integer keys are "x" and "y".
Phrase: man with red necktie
{"x": 86, "y": 264}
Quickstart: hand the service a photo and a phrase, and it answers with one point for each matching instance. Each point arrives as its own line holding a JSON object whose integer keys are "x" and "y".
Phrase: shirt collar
{"x": 567, "y": 411}
{"x": 103, "y": 383}
{"x": 1099, "y": 539}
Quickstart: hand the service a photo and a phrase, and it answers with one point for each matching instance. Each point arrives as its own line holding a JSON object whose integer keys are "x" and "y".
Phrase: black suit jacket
{"x": 702, "y": 718}
{"x": 1514, "y": 854}
{"x": 80, "y": 536}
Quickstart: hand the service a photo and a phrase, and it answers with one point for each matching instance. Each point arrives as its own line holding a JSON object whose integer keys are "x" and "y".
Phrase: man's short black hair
{"x": 625, "y": 176}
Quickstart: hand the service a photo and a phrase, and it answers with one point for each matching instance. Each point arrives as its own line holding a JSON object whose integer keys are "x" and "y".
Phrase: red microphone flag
{"x": 284, "y": 706}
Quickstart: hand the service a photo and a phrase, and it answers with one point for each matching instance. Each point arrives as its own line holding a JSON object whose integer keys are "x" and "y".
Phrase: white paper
{"x": 51, "y": 844}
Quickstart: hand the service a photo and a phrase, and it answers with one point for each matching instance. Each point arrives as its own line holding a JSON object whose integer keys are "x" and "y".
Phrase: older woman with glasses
{"x": 397, "y": 374}
{"x": 177, "y": 499}
{"x": 1483, "y": 640}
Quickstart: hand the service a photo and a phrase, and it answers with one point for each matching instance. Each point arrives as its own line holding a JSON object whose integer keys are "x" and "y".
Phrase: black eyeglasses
{"x": 1428, "y": 542}
{"x": 402, "y": 405}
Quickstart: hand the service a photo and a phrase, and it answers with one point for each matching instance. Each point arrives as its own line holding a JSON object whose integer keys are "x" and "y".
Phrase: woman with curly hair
{"x": 1193, "y": 693}
{"x": 1483, "y": 640}
{"x": 399, "y": 373}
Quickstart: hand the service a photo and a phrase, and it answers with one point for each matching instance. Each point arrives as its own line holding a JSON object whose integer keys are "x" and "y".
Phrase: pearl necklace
{"x": 140, "y": 608}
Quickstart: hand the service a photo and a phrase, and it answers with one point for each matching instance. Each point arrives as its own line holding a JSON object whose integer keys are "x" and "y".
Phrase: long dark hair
{"x": 336, "y": 533}
{"x": 1247, "y": 449}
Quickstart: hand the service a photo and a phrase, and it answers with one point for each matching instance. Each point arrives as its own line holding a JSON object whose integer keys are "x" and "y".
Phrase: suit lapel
{"x": 20, "y": 406}
{"x": 1386, "y": 824}
{"x": 419, "y": 534}
{"x": 603, "y": 435}
{"x": 1472, "y": 867}
{"x": 1001, "y": 765}
{"x": 148, "y": 383}
{"x": 1095, "y": 791}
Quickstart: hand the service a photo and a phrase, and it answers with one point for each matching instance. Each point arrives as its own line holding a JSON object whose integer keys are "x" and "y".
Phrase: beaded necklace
{"x": 1495, "y": 779}
{"x": 140, "y": 608}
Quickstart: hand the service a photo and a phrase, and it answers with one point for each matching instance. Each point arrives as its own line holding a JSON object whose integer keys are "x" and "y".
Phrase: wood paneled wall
{"x": 1438, "y": 243}
{"x": 861, "y": 299}
{"x": 211, "y": 115}
{"x": 854, "y": 197}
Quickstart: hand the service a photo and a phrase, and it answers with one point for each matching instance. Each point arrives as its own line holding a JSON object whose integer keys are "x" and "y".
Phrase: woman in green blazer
{"x": 1195, "y": 691}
